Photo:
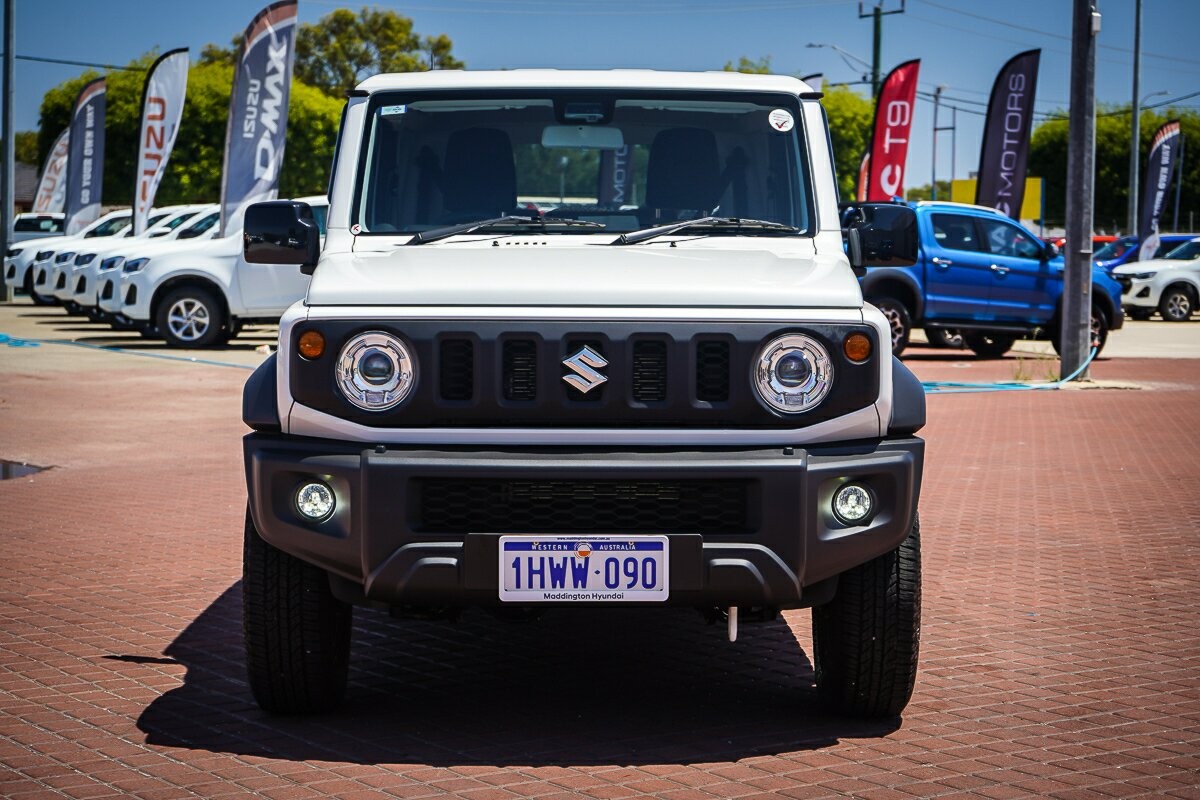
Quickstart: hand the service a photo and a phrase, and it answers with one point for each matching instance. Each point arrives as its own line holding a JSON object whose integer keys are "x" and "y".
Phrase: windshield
{"x": 1188, "y": 251}
{"x": 1114, "y": 249}
{"x": 109, "y": 227}
{"x": 625, "y": 160}
{"x": 37, "y": 225}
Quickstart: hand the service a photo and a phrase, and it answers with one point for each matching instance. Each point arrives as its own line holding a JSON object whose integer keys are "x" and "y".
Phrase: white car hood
{"x": 545, "y": 271}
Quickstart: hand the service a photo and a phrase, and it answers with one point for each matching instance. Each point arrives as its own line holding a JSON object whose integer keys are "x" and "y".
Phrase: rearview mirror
{"x": 583, "y": 137}
{"x": 281, "y": 232}
{"x": 880, "y": 235}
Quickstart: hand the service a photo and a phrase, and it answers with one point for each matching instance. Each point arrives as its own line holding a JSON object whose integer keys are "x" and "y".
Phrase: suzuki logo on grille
{"x": 583, "y": 366}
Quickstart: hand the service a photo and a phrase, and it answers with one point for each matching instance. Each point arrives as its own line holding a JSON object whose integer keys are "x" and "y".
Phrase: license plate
{"x": 556, "y": 569}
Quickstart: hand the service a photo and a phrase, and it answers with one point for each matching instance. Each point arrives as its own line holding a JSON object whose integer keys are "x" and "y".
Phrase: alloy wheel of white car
{"x": 188, "y": 319}
{"x": 1176, "y": 305}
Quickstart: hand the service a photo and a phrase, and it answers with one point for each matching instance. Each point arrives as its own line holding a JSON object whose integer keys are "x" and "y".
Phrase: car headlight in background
{"x": 63, "y": 258}
{"x": 1143, "y": 276}
{"x": 42, "y": 255}
{"x": 793, "y": 373}
{"x": 83, "y": 259}
{"x": 13, "y": 252}
{"x": 112, "y": 262}
{"x": 136, "y": 264}
{"x": 376, "y": 371}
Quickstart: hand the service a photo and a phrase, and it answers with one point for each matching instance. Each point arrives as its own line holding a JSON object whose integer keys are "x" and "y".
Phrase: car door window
{"x": 954, "y": 232}
{"x": 1003, "y": 239}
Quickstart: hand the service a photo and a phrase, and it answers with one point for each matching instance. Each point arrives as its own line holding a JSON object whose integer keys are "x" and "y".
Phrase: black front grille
{"x": 519, "y": 369}
{"x": 474, "y": 505}
{"x": 457, "y": 365}
{"x": 650, "y": 371}
{"x": 81, "y": 286}
{"x": 62, "y": 281}
{"x": 107, "y": 291}
{"x": 712, "y": 371}
{"x": 1126, "y": 284}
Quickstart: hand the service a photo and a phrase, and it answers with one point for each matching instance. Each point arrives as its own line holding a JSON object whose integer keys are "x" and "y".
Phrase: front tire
{"x": 1097, "y": 333}
{"x": 948, "y": 338}
{"x": 989, "y": 345}
{"x": 190, "y": 316}
{"x": 899, "y": 320}
{"x": 297, "y": 633}
{"x": 867, "y": 639}
{"x": 1139, "y": 314}
{"x": 1176, "y": 304}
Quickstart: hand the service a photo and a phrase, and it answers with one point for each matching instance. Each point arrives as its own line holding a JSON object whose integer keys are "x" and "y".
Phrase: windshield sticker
{"x": 388, "y": 111}
{"x": 355, "y": 229}
{"x": 781, "y": 120}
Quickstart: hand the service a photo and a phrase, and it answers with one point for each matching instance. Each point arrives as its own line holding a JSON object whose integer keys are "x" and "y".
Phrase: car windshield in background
{"x": 1188, "y": 251}
{"x": 37, "y": 225}
{"x": 109, "y": 227}
{"x": 1114, "y": 249}
{"x": 623, "y": 160}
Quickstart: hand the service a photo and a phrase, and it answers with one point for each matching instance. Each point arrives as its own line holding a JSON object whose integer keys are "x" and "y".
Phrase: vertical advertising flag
{"x": 258, "y": 111}
{"x": 163, "y": 97}
{"x": 889, "y": 142}
{"x": 85, "y": 164}
{"x": 1006, "y": 129}
{"x": 864, "y": 170}
{"x": 1163, "y": 152}
{"x": 616, "y": 173}
{"x": 52, "y": 187}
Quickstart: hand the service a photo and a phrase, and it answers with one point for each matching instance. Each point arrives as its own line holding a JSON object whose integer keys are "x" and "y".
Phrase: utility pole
{"x": 1075, "y": 333}
{"x": 937, "y": 99}
{"x": 7, "y": 150}
{"x": 877, "y": 14}
{"x": 1135, "y": 147}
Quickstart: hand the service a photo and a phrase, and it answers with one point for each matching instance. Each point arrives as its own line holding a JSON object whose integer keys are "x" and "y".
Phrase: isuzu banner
{"x": 889, "y": 142}
{"x": 163, "y": 97}
{"x": 85, "y": 164}
{"x": 1163, "y": 152}
{"x": 52, "y": 188}
{"x": 1005, "y": 151}
{"x": 258, "y": 110}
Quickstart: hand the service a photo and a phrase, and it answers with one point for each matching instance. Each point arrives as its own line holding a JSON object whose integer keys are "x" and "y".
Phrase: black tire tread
{"x": 867, "y": 639}
{"x": 297, "y": 634}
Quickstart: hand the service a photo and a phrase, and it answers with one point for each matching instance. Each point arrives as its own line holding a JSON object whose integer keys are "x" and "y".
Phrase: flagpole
{"x": 7, "y": 152}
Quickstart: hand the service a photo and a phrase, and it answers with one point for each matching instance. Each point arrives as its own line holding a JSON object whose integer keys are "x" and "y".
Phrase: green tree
{"x": 760, "y": 66}
{"x": 342, "y": 48}
{"x": 925, "y": 192}
{"x": 1048, "y": 159}
{"x": 25, "y": 147}
{"x": 194, "y": 172}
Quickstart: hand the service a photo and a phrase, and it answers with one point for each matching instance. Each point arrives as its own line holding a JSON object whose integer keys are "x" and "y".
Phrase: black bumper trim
{"x": 369, "y": 540}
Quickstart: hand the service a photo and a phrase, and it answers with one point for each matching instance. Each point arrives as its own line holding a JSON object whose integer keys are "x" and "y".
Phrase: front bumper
{"x": 378, "y": 541}
{"x": 1140, "y": 293}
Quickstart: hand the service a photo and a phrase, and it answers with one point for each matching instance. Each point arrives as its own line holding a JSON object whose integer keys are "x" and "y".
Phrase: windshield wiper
{"x": 437, "y": 234}
{"x": 717, "y": 223}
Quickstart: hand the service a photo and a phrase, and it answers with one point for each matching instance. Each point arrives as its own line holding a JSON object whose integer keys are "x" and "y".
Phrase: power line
{"x": 71, "y": 63}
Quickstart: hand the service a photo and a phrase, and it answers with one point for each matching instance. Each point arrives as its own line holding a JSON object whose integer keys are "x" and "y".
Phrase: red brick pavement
{"x": 1060, "y": 652}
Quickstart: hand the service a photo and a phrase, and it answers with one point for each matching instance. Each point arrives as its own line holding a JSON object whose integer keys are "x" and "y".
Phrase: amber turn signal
{"x": 857, "y": 347}
{"x": 311, "y": 344}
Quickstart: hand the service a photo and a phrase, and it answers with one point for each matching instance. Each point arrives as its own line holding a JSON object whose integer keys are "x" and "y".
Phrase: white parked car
{"x": 36, "y": 226}
{"x": 108, "y": 278}
{"x": 200, "y": 296}
{"x": 75, "y": 273}
{"x": 23, "y": 263}
{"x": 667, "y": 391}
{"x": 82, "y": 280}
{"x": 1169, "y": 285}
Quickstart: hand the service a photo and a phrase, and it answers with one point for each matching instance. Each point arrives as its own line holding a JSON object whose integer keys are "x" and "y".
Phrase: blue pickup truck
{"x": 984, "y": 276}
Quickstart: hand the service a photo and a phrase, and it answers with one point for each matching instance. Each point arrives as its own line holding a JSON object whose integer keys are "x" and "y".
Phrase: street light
{"x": 1135, "y": 158}
{"x": 845, "y": 54}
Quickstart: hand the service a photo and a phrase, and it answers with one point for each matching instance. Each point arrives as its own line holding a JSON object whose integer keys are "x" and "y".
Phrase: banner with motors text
{"x": 85, "y": 164}
{"x": 258, "y": 112}
{"x": 889, "y": 142}
{"x": 1006, "y": 129}
{"x": 616, "y": 177}
{"x": 163, "y": 97}
{"x": 1163, "y": 153}
{"x": 52, "y": 186}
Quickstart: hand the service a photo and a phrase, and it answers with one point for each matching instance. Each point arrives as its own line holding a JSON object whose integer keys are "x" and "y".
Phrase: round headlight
{"x": 315, "y": 500}
{"x": 853, "y": 504}
{"x": 376, "y": 371}
{"x": 793, "y": 373}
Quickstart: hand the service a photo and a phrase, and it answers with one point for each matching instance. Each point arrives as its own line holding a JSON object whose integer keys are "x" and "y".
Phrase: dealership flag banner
{"x": 1163, "y": 152}
{"x": 258, "y": 111}
{"x": 163, "y": 97}
{"x": 85, "y": 164}
{"x": 616, "y": 175}
{"x": 864, "y": 168}
{"x": 52, "y": 188}
{"x": 889, "y": 142}
{"x": 1005, "y": 151}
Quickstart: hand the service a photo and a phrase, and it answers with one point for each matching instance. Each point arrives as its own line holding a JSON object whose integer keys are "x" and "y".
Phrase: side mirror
{"x": 281, "y": 232}
{"x": 1051, "y": 252}
{"x": 880, "y": 235}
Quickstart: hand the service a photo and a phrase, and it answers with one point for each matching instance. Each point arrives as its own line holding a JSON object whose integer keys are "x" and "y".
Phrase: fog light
{"x": 315, "y": 501}
{"x": 853, "y": 503}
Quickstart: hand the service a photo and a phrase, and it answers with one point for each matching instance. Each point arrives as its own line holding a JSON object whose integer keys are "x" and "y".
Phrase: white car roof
{"x": 591, "y": 79}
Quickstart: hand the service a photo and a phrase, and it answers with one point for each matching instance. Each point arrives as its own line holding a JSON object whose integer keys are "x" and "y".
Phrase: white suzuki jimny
{"x": 583, "y": 338}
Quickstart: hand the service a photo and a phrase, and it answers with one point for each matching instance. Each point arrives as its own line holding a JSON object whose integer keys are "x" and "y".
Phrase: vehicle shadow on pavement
{"x": 577, "y": 687}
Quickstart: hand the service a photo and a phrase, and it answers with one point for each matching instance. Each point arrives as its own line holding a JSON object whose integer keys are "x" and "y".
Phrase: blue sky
{"x": 960, "y": 43}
